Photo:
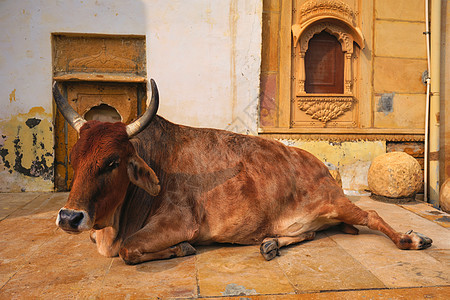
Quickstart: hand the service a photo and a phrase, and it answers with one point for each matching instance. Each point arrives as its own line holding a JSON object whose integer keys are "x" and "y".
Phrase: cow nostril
{"x": 75, "y": 220}
{"x": 72, "y": 218}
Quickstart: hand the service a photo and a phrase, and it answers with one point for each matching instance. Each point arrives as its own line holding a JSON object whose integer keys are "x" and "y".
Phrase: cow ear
{"x": 142, "y": 175}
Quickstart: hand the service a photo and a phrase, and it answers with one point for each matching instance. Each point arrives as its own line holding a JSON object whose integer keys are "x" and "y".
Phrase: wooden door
{"x": 324, "y": 65}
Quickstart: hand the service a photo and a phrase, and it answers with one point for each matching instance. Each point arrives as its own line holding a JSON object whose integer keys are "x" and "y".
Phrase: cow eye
{"x": 110, "y": 165}
{"x": 113, "y": 165}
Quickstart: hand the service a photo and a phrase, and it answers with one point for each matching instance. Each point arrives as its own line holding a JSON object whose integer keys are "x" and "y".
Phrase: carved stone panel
{"x": 94, "y": 57}
{"x": 324, "y": 111}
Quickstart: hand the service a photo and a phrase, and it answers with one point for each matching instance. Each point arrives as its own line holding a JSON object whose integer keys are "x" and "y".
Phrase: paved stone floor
{"x": 38, "y": 261}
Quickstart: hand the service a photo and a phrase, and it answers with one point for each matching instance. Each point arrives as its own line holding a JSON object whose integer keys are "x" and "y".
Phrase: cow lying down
{"x": 152, "y": 189}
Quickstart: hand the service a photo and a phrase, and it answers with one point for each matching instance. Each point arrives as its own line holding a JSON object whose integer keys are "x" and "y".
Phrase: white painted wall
{"x": 205, "y": 56}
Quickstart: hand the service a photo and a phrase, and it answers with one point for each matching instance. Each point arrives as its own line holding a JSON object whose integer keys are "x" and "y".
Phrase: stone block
{"x": 405, "y": 10}
{"x": 400, "y": 39}
{"x": 399, "y": 75}
{"x": 444, "y": 197}
{"x": 395, "y": 175}
{"x": 270, "y": 33}
{"x": 408, "y": 111}
{"x": 271, "y": 5}
{"x": 268, "y": 106}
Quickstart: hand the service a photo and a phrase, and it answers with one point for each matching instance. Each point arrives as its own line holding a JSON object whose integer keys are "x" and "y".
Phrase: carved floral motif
{"x": 313, "y": 8}
{"x": 325, "y": 109}
{"x": 102, "y": 61}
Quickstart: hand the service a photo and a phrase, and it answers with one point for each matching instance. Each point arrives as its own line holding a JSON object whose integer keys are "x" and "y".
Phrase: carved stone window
{"x": 289, "y": 108}
{"x": 323, "y": 65}
{"x": 344, "y": 38}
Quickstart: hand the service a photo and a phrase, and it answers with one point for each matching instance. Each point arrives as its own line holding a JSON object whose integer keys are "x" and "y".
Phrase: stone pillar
{"x": 348, "y": 73}
{"x": 301, "y": 74}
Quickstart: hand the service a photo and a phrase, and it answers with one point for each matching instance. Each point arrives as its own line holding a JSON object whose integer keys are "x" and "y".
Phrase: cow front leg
{"x": 164, "y": 237}
{"x": 133, "y": 256}
{"x": 106, "y": 241}
{"x": 351, "y": 214}
{"x": 270, "y": 246}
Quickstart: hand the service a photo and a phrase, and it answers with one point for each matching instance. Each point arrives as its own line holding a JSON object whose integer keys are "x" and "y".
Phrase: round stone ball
{"x": 395, "y": 175}
{"x": 444, "y": 196}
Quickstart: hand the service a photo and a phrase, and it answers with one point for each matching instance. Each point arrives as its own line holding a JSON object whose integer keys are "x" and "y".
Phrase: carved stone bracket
{"x": 325, "y": 108}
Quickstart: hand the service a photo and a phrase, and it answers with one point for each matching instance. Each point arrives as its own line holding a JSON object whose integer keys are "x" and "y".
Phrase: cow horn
{"x": 71, "y": 116}
{"x": 135, "y": 127}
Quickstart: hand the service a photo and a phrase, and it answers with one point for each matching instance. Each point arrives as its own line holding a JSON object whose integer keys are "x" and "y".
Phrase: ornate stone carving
{"x": 94, "y": 58}
{"x": 313, "y": 8}
{"x": 339, "y": 32}
{"x": 325, "y": 108}
{"x": 343, "y": 137}
{"x": 103, "y": 61}
{"x": 315, "y": 11}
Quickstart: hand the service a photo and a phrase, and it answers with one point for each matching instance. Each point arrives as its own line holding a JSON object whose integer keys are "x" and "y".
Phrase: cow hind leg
{"x": 135, "y": 257}
{"x": 347, "y": 228}
{"x": 351, "y": 214}
{"x": 270, "y": 246}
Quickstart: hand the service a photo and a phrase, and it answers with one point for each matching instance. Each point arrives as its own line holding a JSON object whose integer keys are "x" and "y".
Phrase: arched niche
{"x": 103, "y": 113}
{"x": 334, "y": 17}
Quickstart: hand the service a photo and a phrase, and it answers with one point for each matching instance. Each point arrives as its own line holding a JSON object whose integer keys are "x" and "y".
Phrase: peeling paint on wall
{"x": 386, "y": 103}
{"x": 26, "y": 152}
{"x": 12, "y": 96}
{"x": 352, "y": 159}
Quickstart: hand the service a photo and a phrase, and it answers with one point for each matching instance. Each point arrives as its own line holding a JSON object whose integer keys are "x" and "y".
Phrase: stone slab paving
{"x": 39, "y": 261}
{"x": 426, "y": 211}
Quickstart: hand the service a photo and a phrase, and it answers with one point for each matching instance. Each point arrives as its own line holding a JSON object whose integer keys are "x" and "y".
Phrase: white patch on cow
{"x": 57, "y": 218}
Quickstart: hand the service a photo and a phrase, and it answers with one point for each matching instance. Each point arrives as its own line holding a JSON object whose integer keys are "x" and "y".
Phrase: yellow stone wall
{"x": 352, "y": 159}
{"x": 391, "y": 64}
{"x": 399, "y": 59}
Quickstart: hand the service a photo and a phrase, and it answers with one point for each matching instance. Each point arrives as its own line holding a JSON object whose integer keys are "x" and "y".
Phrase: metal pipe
{"x": 435, "y": 102}
{"x": 427, "y": 106}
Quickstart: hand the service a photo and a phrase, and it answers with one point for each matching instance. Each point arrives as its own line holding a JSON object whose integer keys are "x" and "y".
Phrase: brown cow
{"x": 170, "y": 186}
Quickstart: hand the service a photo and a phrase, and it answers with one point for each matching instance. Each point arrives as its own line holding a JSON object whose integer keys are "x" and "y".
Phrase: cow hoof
{"x": 129, "y": 257}
{"x": 418, "y": 240}
{"x": 184, "y": 249}
{"x": 93, "y": 236}
{"x": 269, "y": 249}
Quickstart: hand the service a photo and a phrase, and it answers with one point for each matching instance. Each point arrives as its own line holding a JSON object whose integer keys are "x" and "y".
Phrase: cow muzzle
{"x": 73, "y": 221}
